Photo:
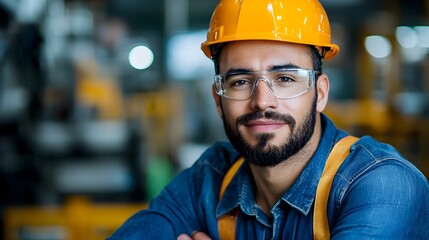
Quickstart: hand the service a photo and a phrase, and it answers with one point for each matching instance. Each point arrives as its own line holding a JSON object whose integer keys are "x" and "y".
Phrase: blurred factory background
{"x": 102, "y": 102}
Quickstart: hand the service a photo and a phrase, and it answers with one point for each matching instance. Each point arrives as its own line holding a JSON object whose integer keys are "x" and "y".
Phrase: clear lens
{"x": 284, "y": 84}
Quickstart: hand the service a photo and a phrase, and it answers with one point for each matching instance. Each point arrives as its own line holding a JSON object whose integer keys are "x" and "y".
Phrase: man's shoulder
{"x": 373, "y": 186}
{"x": 369, "y": 155}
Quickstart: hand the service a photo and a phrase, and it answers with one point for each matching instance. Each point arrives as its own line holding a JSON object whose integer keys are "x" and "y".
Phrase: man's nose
{"x": 263, "y": 97}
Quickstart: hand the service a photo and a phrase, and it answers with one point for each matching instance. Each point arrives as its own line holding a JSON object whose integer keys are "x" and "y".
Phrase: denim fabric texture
{"x": 376, "y": 194}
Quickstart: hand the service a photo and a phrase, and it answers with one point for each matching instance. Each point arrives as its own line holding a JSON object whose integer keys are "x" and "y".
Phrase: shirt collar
{"x": 301, "y": 194}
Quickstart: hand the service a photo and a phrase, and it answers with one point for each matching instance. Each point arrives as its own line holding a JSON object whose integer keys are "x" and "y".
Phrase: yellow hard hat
{"x": 296, "y": 21}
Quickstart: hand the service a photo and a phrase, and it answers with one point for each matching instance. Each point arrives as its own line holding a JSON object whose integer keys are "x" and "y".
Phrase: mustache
{"x": 286, "y": 118}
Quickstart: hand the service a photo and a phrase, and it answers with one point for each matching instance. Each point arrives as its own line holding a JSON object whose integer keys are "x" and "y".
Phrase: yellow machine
{"x": 77, "y": 219}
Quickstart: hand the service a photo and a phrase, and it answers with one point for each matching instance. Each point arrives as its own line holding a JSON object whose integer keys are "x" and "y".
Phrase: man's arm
{"x": 145, "y": 225}
{"x": 173, "y": 212}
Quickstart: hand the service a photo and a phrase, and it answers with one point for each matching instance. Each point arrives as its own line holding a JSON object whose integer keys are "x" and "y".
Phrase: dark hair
{"x": 216, "y": 49}
{"x": 316, "y": 57}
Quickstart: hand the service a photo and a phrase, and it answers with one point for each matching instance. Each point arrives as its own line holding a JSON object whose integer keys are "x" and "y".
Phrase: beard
{"x": 263, "y": 153}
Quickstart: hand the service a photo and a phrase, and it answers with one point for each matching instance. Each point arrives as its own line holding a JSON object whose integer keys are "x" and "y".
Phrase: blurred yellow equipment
{"x": 77, "y": 219}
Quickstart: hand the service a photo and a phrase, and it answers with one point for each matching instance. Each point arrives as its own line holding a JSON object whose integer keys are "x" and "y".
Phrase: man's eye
{"x": 285, "y": 79}
{"x": 240, "y": 82}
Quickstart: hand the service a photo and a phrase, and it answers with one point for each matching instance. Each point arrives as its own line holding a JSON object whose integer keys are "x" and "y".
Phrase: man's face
{"x": 267, "y": 130}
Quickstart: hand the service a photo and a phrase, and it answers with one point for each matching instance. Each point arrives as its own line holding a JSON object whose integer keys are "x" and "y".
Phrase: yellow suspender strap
{"x": 336, "y": 157}
{"x": 226, "y": 223}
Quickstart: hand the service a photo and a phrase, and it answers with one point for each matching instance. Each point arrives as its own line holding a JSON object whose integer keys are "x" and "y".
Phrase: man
{"x": 270, "y": 93}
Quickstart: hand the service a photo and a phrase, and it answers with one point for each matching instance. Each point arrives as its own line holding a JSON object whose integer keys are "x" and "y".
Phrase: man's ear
{"x": 322, "y": 88}
{"x": 217, "y": 100}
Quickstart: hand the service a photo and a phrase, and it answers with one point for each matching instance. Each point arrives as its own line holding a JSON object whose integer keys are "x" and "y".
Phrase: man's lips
{"x": 264, "y": 125}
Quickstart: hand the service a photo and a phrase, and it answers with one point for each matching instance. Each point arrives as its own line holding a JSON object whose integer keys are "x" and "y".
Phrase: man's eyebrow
{"x": 233, "y": 71}
{"x": 282, "y": 67}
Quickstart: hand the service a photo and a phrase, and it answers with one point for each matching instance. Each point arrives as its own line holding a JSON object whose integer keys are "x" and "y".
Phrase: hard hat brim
{"x": 331, "y": 50}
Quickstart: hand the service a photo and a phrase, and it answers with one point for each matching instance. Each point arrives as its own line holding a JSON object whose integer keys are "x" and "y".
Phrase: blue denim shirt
{"x": 376, "y": 194}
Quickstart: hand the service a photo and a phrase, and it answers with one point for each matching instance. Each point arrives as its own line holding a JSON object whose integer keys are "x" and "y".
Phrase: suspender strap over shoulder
{"x": 337, "y": 156}
{"x": 226, "y": 223}
{"x": 229, "y": 175}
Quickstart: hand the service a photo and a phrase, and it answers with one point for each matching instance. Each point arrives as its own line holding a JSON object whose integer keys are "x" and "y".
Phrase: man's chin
{"x": 265, "y": 147}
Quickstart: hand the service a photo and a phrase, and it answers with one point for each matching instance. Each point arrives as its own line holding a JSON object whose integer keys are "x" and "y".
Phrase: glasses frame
{"x": 311, "y": 73}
